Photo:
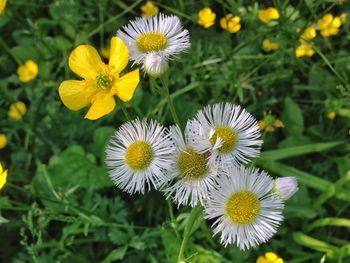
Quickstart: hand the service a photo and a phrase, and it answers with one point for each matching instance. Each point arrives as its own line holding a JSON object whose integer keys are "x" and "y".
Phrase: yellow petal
{"x": 85, "y": 62}
{"x": 118, "y": 58}
{"x": 1, "y": 169}
{"x": 270, "y": 256}
{"x": 3, "y": 178}
{"x": 126, "y": 85}
{"x": 261, "y": 259}
{"x": 102, "y": 104}
{"x": 3, "y": 141}
{"x": 76, "y": 94}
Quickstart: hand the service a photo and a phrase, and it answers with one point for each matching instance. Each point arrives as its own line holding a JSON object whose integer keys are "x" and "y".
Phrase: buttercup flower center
{"x": 104, "y": 81}
{"x": 151, "y": 41}
{"x": 243, "y": 207}
{"x": 192, "y": 165}
{"x": 139, "y": 155}
{"x": 228, "y": 137}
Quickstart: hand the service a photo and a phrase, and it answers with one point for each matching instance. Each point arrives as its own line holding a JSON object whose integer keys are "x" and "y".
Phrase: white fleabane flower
{"x": 194, "y": 178}
{"x": 138, "y": 156}
{"x": 228, "y": 132}
{"x": 285, "y": 187}
{"x": 246, "y": 212}
{"x": 161, "y": 34}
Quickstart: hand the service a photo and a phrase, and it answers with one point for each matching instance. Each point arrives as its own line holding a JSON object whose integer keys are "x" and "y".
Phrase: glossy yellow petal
{"x": 118, "y": 56}
{"x": 28, "y": 71}
{"x": 76, "y": 94}
{"x": 102, "y": 104}
{"x": 126, "y": 85}
{"x": 1, "y": 169}
{"x": 3, "y": 141}
{"x": 3, "y": 178}
{"x": 261, "y": 259}
{"x": 85, "y": 62}
{"x": 271, "y": 256}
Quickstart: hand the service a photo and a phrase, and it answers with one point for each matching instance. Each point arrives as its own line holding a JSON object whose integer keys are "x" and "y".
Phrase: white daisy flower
{"x": 228, "y": 132}
{"x": 138, "y": 156}
{"x": 285, "y": 187}
{"x": 246, "y": 212}
{"x": 190, "y": 168}
{"x": 161, "y": 34}
{"x": 155, "y": 65}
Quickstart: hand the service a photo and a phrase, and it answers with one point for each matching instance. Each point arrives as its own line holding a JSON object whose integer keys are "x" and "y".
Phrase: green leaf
{"x": 292, "y": 118}
{"x": 289, "y": 152}
{"x": 115, "y": 254}
{"x": 329, "y": 221}
{"x": 102, "y": 135}
{"x": 314, "y": 244}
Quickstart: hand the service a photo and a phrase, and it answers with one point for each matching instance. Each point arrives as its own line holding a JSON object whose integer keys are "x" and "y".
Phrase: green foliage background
{"x": 59, "y": 204}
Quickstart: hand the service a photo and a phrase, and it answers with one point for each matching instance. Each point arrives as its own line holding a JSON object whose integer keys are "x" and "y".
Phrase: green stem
{"x": 188, "y": 229}
{"x": 165, "y": 82}
{"x": 172, "y": 219}
{"x": 124, "y": 110}
{"x": 4, "y": 45}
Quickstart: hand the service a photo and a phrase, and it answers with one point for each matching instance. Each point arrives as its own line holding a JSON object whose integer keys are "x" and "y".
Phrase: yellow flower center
{"x": 139, "y": 155}
{"x": 243, "y": 207}
{"x": 151, "y": 41}
{"x": 192, "y": 165}
{"x": 228, "y": 137}
{"x": 104, "y": 81}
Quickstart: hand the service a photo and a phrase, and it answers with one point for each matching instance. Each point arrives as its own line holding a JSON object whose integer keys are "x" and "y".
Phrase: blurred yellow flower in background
{"x": 266, "y": 15}
{"x": 270, "y": 45}
{"x": 331, "y": 115}
{"x": 3, "y": 177}
{"x": 149, "y": 9}
{"x": 105, "y": 51}
{"x": 329, "y": 25}
{"x": 304, "y": 49}
{"x": 269, "y": 257}
{"x": 309, "y": 33}
{"x": 28, "y": 71}
{"x": 269, "y": 123}
{"x": 2, "y": 6}
{"x": 3, "y": 140}
{"x": 101, "y": 82}
{"x": 206, "y": 17}
{"x": 230, "y": 23}
{"x": 17, "y": 110}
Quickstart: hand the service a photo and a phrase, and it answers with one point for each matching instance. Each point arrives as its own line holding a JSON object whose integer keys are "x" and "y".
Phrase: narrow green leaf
{"x": 299, "y": 150}
{"x": 329, "y": 221}
{"x": 314, "y": 244}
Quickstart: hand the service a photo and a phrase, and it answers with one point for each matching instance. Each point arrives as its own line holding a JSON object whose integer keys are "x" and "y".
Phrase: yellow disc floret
{"x": 139, "y": 155}
{"x": 192, "y": 165}
{"x": 243, "y": 207}
{"x": 151, "y": 41}
{"x": 228, "y": 137}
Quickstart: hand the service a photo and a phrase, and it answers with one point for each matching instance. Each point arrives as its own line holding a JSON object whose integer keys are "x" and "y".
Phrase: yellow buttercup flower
{"x": 230, "y": 23}
{"x": 266, "y": 15}
{"x": 206, "y": 17}
{"x": 101, "y": 82}
{"x": 28, "y": 71}
{"x": 304, "y": 49}
{"x": 309, "y": 33}
{"x": 270, "y": 45}
{"x": 3, "y": 140}
{"x": 17, "y": 110}
{"x": 331, "y": 115}
{"x": 2, "y": 6}
{"x": 329, "y": 25}
{"x": 149, "y": 9}
{"x": 269, "y": 257}
{"x": 3, "y": 177}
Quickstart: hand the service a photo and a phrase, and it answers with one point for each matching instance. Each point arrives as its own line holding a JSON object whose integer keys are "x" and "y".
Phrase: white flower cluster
{"x": 204, "y": 166}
